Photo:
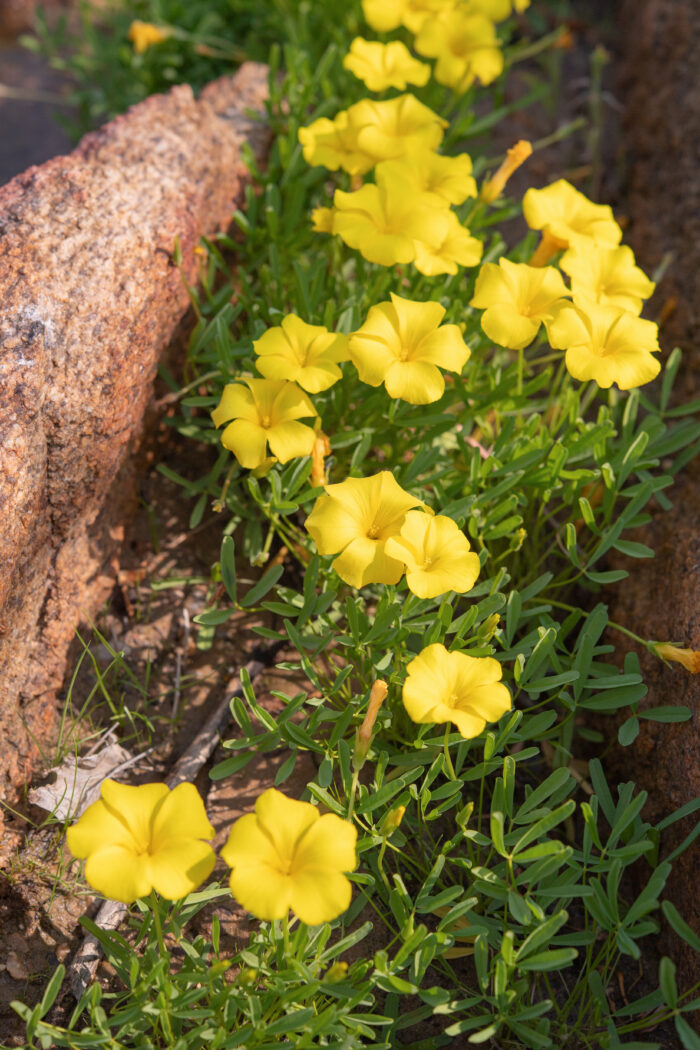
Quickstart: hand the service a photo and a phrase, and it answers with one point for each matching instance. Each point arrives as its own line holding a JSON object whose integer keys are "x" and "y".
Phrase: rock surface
{"x": 660, "y": 600}
{"x": 91, "y": 298}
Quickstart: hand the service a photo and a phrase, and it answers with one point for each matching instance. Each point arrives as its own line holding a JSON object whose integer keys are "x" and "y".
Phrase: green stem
{"x": 155, "y": 911}
{"x": 611, "y": 623}
{"x": 164, "y": 1016}
{"x": 353, "y": 792}
{"x": 285, "y": 935}
{"x": 446, "y": 752}
{"x": 530, "y": 50}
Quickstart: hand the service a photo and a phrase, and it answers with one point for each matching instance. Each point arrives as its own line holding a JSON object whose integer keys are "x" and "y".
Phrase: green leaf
{"x": 545, "y": 824}
{"x": 542, "y": 935}
{"x": 680, "y": 926}
{"x": 549, "y": 960}
{"x": 667, "y": 982}
{"x": 689, "y": 1038}
{"x": 228, "y": 566}
{"x": 264, "y": 584}
{"x": 214, "y": 617}
{"x": 667, "y": 713}
{"x": 628, "y": 731}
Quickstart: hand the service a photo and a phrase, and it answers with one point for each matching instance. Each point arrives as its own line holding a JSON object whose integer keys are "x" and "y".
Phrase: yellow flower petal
{"x": 135, "y": 807}
{"x": 319, "y": 896}
{"x": 177, "y": 868}
{"x": 181, "y": 813}
{"x": 329, "y": 842}
{"x": 247, "y": 441}
{"x": 401, "y": 342}
{"x": 248, "y": 844}
{"x": 262, "y": 890}
{"x": 365, "y": 561}
{"x": 414, "y": 381}
{"x": 606, "y": 344}
{"x": 236, "y": 403}
{"x": 383, "y": 15}
{"x": 96, "y": 828}
{"x": 289, "y": 440}
{"x": 608, "y": 276}
{"x": 118, "y": 873}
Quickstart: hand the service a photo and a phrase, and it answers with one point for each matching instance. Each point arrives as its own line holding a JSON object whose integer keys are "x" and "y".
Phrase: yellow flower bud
{"x": 515, "y": 156}
{"x": 336, "y": 972}
{"x": 392, "y": 821}
{"x": 363, "y": 738}
{"x": 144, "y": 35}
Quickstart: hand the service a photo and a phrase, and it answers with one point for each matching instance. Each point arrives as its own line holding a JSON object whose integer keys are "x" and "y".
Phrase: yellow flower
{"x": 382, "y": 66}
{"x": 568, "y": 215}
{"x": 403, "y": 345}
{"x": 286, "y": 855}
{"x": 466, "y": 48}
{"x": 305, "y": 353}
{"x": 383, "y": 15}
{"x": 453, "y": 687}
{"x": 436, "y": 554}
{"x": 497, "y": 10}
{"x": 515, "y": 157}
{"x": 384, "y": 222}
{"x": 448, "y": 178}
{"x": 516, "y": 299}
{"x": 415, "y": 13}
{"x": 264, "y": 411}
{"x": 332, "y": 144}
{"x": 457, "y": 248}
{"x": 396, "y": 127}
{"x": 605, "y": 344}
{"x": 608, "y": 276}
{"x": 322, "y": 220}
{"x": 137, "y": 839}
{"x": 144, "y": 35}
{"x": 354, "y": 519}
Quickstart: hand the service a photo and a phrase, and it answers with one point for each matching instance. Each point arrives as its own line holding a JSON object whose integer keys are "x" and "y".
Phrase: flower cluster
{"x": 377, "y": 532}
{"x": 284, "y": 856}
{"x": 401, "y": 344}
{"x": 595, "y": 320}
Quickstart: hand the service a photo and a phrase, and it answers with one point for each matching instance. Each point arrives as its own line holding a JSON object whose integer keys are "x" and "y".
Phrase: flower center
{"x": 373, "y": 532}
{"x": 265, "y": 422}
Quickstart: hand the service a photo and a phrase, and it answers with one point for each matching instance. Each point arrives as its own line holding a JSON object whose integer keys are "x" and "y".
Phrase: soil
{"x": 165, "y": 680}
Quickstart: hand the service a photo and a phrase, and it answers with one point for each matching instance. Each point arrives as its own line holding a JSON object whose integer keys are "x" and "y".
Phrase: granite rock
{"x": 90, "y": 300}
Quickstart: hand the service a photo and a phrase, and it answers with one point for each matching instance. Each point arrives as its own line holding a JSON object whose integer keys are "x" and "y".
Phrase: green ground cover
{"x": 431, "y": 465}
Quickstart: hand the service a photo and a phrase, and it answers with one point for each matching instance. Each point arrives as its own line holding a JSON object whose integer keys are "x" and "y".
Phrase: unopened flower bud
{"x": 364, "y": 734}
{"x": 336, "y": 972}
{"x": 392, "y": 821}
{"x": 516, "y": 155}
{"x": 144, "y": 35}
{"x": 690, "y": 658}
{"x": 321, "y": 449}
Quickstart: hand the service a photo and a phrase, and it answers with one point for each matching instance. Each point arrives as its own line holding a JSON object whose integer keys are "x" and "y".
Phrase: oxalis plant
{"x": 426, "y": 445}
